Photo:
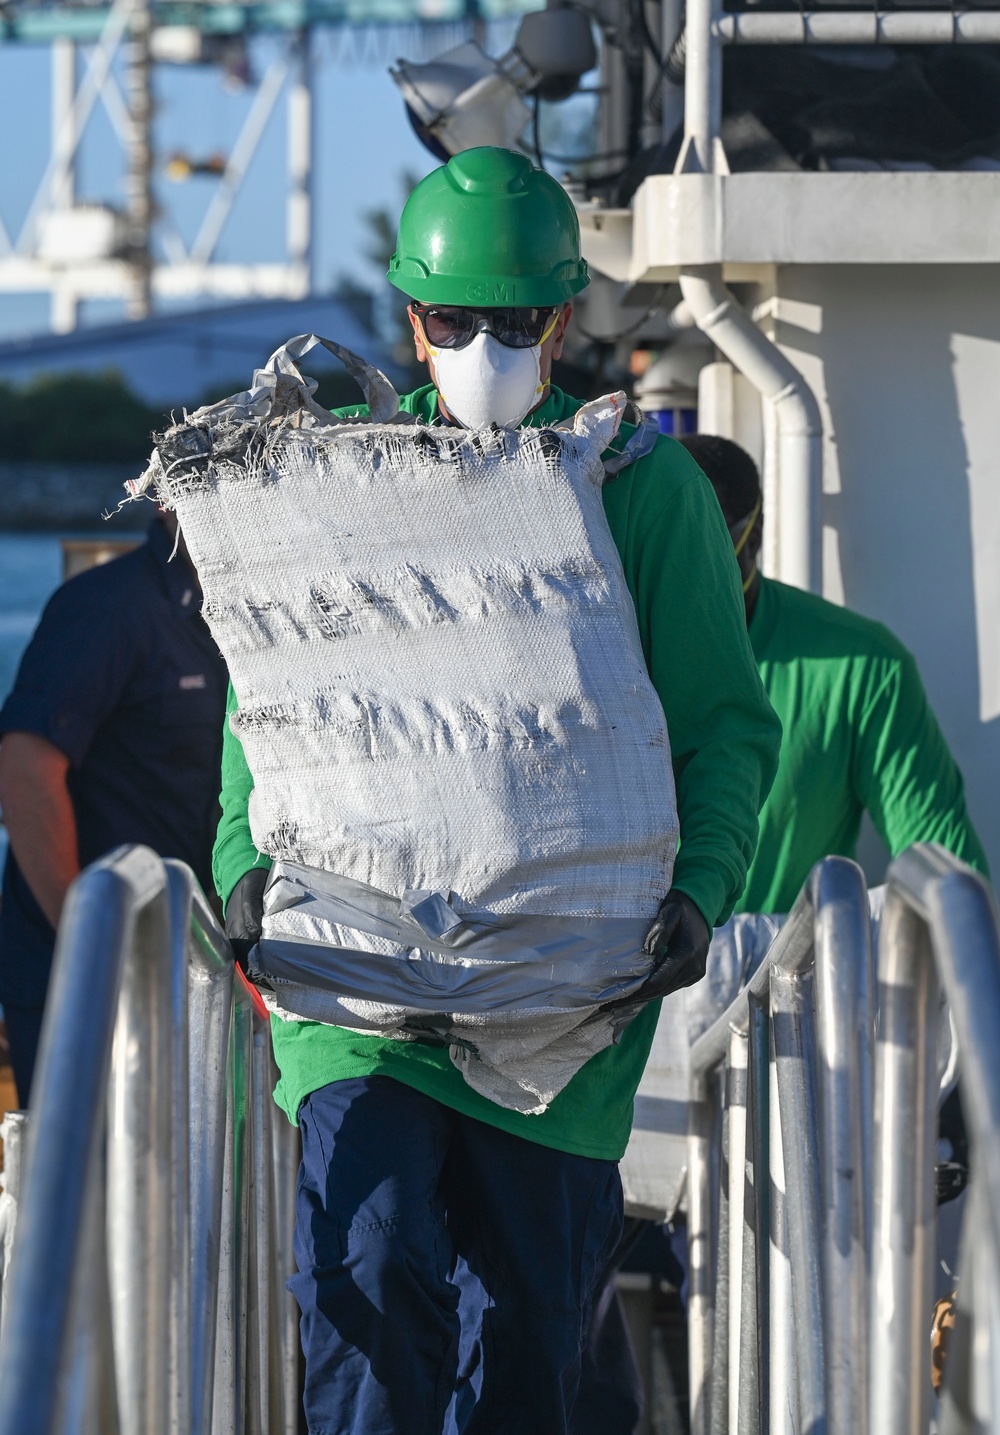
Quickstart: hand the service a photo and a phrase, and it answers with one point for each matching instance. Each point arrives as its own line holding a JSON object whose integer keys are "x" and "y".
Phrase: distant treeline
{"x": 96, "y": 418}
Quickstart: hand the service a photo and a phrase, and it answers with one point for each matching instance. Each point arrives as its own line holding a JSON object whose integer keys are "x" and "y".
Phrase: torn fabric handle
{"x": 453, "y": 957}
{"x": 641, "y": 443}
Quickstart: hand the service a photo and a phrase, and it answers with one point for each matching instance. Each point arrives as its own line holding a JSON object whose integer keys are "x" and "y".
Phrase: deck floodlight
{"x": 465, "y": 98}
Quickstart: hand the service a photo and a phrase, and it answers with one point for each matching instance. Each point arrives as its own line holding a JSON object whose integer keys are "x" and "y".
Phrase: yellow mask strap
{"x": 747, "y": 528}
{"x": 548, "y": 331}
{"x": 749, "y": 578}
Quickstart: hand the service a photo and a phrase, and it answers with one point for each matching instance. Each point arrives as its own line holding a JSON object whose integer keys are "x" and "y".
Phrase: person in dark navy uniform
{"x": 112, "y": 734}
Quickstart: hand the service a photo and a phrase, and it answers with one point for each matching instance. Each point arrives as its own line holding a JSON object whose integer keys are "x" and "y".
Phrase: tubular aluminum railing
{"x": 812, "y": 1140}
{"x": 155, "y": 1220}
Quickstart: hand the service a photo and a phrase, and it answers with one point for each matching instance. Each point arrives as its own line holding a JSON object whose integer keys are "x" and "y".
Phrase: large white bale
{"x": 440, "y": 678}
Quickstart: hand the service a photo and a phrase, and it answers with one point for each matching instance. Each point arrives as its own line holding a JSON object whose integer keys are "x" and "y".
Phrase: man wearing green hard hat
{"x": 449, "y": 1247}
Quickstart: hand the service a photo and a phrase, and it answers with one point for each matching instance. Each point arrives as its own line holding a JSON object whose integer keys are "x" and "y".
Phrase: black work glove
{"x": 245, "y": 913}
{"x": 678, "y": 938}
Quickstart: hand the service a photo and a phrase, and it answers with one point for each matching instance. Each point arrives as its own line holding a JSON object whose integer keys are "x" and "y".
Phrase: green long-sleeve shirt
{"x": 724, "y": 737}
{"x": 858, "y": 734}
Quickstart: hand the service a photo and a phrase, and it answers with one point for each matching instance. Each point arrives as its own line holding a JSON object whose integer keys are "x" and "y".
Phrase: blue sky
{"x": 364, "y": 145}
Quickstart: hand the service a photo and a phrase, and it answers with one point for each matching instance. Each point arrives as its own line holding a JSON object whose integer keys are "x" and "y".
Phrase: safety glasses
{"x": 448, "y": 327}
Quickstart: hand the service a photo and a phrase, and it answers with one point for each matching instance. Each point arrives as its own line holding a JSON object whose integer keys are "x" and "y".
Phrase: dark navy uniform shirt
{"x": 123, "y": 676}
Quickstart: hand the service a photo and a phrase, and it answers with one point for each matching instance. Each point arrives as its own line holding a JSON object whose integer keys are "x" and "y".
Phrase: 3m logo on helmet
{"x": 490, "y": 293}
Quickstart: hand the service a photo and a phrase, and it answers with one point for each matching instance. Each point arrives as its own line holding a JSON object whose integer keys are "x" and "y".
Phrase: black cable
{"x": 617, "y": 338}
{"x": 676, "y": 62}
{"x": 647, "y": 34}
{"x": 536, "y": 138}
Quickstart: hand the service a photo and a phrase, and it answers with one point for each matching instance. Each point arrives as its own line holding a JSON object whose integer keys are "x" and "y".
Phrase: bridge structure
{"x": 109, "y": 55}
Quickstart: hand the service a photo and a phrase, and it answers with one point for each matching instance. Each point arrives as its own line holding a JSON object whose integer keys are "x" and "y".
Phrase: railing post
{"x": 140, "y": 1224}
{"x": 701, "y": 1296}
{"x": 783, "y": 1401}
{"x": 754, "y": 1345}
{"x": 208, "y": 974}
{"x": 904, "y": 1132}
{"x": 69, "y": 1108}
{"x": 287, "y": 1154}
{"x": 265, "y": 1303}
{"x": 844, "y": 1005}
{"x": 13, "y": 1130}
{"x": 231, "y": 1411}
{"x": 736, "y": 1121}
{"x": 795, "y": 1053}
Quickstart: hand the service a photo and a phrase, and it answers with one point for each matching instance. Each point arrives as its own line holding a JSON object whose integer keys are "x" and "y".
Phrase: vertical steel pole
{"x": 702, "y": 89}
{"x": 266, "y": 1301}
{"x": 905, "y": 1115}
{"x": 844, "y": 1005}
{"x": 783, "y": 1397}
{"x": 181, "y": 1345}
{"x": 68, "y": 1105}
{"x": 287, "y": 1154}
{"x": 700, "y": 1270}
{"x": 753, "y": 1414}
{"x": 140, "y": 1226}
{"x": 62, "y": 193}
{"x": 795, "y": 1052}
{"x": 139, "y": 180}
{"x": 301, "y": 136}
{"x": 736, "y": 1117}
{"x": 209, "y": 978}
{"x": 88, "y": 1403}
{"x": 233, "y": 1376}
{"x": 719, "y": 1155}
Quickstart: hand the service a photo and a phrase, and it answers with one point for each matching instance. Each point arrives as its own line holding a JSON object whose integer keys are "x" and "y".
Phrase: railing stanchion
{"x": 753, "y": 1414}
{"x": 794, "y": 1047}
{"x": 783, "y": 1405}
{"x": 140, "y": 1224}
{"x": 286, "y": 1151}
{"x": 736, "y": 1121}
{"x": 904, "y": 1129}
{"x": 700, "y": 1265}
{"x": 844, "y": 1026}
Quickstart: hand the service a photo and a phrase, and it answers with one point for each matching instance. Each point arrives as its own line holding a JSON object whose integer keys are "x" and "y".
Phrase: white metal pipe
{"x": 891, "y": 27}
{"x": 238, "y": 162}
{"x": 702, "y": 87}
{"x": 903, "y": 1227}
{"x": 139, "y": 1162}
{"x": 736, "y": 1121}
{"x": 800, "y": 428}
{"x": 701, "y": 1298}
{"x": 286, "y": 1153}
{"x": 300, "y": 165}
{"x": 200, "y": 953}
{"x": 844, "y": 1005}
{"x": 783, "y": 1403}
{"x": 795, "y": 1057}
{"x": 63, "y": 189}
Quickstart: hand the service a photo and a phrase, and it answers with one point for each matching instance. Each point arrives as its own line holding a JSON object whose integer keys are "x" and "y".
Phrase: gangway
{"x": 155, "y": 1220}
{"x": 155, "y": 1223}
{"x": 811, "y": 1218}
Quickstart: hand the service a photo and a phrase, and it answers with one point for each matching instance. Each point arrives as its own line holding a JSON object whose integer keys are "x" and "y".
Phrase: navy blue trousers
{"x": 446, "y": 1269}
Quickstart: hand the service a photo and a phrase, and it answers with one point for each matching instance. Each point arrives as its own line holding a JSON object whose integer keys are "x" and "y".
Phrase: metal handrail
{"x": 154, "y": 1229}
{"x": 811, "y": 1216}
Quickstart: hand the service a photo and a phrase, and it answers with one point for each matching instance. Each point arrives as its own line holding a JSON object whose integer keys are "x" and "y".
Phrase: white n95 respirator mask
{"x": 487, "y": 382}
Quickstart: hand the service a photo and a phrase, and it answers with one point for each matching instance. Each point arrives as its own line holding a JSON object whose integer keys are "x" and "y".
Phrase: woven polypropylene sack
{"x": 439, "y": 674}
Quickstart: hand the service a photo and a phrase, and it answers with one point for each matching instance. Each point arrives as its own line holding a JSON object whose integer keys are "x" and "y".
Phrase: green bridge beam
{"x": 41, "y": 24}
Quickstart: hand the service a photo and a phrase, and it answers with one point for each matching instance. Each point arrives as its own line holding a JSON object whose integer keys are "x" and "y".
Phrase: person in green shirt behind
{"x": 447, "y": 1247}
{"x": 858, "y": 734}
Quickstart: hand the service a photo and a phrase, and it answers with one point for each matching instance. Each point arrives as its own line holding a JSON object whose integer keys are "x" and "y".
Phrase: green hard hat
{"x": 488, "y": 229}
